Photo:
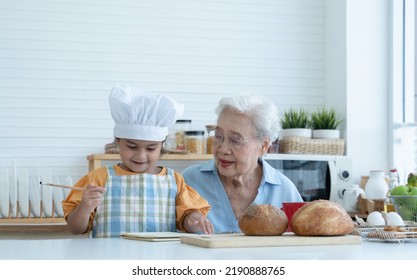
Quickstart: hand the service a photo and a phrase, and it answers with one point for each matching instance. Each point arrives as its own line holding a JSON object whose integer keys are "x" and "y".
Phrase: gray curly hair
{"x": 264, "y": 113}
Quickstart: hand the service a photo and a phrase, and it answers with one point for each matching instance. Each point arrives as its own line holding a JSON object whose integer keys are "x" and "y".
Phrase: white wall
{"x": 59, "y": 60}
{"x": 367, "y": 86}
{"x": 335, "y": 60}
{"x": 357, "y": 78}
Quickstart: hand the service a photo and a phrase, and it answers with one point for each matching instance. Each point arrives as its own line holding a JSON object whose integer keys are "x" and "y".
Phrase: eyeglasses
{"x": 235, "y": 142}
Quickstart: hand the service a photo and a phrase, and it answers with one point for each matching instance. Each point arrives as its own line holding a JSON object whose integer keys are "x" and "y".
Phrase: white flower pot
{"x": 295, "y": 132}
{"x": 326, "y": 134}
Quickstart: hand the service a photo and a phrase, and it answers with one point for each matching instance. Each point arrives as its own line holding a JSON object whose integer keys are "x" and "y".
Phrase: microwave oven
{"x": 315, "y": 176}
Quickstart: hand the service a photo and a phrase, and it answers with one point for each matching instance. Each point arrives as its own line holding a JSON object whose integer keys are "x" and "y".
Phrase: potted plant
{"x": 295, "y": 123}
{"x": 324, "y": 123}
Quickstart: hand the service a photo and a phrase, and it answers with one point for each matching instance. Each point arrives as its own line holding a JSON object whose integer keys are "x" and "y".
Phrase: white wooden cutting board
{"x": 287, "y": 239}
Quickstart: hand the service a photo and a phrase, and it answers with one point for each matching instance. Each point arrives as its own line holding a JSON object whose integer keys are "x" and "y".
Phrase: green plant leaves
{"x": 322, "y": 118}
{"x": 294, "y": 118}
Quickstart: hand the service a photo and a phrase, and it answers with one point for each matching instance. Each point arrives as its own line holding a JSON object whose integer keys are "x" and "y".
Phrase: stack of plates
{"x": 4, "y": 193}
{"x": 13, "y": 192}
{"x": 58, "y": 196}
{"x": 35, "y": 197}
{"x": 22, "y": 196}
{"x": 46, "y": 194}
{"x": 23, "y": 187}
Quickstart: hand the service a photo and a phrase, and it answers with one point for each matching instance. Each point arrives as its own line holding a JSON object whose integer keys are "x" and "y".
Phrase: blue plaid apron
{"x": 136, "y": 203}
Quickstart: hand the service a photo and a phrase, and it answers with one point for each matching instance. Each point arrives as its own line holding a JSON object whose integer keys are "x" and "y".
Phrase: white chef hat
{"x": 140, "y": 115}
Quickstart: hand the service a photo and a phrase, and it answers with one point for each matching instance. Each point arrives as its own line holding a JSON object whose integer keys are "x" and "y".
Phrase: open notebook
{"x": 154, "y": 236}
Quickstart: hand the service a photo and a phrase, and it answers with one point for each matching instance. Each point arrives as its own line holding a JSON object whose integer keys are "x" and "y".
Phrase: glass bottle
{"x": 274, "y": 148}
{"x": 393, "y": 182}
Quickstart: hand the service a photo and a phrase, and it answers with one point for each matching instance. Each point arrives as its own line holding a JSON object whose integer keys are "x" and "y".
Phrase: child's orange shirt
{"x": 187, "y": 200}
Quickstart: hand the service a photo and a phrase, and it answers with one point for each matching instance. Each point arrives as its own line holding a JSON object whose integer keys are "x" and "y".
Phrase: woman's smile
{"x": 225, "y": 163}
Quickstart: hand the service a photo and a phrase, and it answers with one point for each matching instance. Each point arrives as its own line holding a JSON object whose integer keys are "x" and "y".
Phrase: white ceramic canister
{"x": 376, "y": 187}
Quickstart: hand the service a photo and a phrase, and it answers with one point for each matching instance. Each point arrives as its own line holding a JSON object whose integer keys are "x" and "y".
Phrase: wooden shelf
{"x": 94, "y": 160}
{"x": 31, "y": 225}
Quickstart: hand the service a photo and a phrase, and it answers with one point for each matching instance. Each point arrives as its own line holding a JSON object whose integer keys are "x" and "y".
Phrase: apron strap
{"x": 110, "y": 170}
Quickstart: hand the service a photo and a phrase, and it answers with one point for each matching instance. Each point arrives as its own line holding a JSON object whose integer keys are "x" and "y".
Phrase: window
{"x": 403, "y": 86}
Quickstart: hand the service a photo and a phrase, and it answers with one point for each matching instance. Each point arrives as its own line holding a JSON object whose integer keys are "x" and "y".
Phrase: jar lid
{"x": 194, "y": 132}
{"x": 183, "y": 121}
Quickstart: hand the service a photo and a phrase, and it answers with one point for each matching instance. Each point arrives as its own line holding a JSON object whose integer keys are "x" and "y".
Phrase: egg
{"x": 393, "y": 219}
{"x": 375, "y": 219}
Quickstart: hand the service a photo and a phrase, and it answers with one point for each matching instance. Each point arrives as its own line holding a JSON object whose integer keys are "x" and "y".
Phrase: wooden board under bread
{"x": 287, "y": 239}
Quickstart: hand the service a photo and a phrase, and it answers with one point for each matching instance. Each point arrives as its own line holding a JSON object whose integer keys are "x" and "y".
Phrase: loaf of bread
{"x": 263, "y": 219}
{"x": 321, "y": 217}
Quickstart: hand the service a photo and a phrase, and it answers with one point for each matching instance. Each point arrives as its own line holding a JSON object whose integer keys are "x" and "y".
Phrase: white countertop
{"x": 125, "y": 249}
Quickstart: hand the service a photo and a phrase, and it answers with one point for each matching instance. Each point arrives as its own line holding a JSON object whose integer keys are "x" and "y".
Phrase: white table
{"x": 125, "y": 249}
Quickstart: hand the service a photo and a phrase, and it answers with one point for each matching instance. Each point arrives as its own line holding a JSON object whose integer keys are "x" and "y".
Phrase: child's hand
{"x": 196, "y": 222}
{"x": 91, "y": 197}
{"x": 78, "y": 219}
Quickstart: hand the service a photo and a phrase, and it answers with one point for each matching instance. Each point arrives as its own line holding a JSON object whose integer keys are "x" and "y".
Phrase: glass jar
{"x": 209, "y": 139}
{"x": 180, "y": 127}
{"x": 194, "y": 142}
{"x": 274, "y": 148}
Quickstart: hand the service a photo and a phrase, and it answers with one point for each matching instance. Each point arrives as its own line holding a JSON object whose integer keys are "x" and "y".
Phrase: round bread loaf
{"x": 263, "y": 219}
{"x": 321, "y": 217}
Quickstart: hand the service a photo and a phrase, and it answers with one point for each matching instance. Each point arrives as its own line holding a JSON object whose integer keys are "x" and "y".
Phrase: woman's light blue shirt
{"x": 274, "y": 189}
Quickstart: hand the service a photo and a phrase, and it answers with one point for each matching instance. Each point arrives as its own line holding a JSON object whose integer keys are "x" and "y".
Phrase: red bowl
{"x": 289, "y": 209}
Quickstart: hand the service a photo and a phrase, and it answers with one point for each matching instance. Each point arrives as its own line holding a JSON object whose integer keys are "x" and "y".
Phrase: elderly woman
{"x": 238, "y": 175}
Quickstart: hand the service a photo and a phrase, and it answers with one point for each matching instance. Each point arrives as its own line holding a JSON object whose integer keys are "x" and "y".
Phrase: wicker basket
{"x": 300, "y": 145}
{"x": 111, "y": 148}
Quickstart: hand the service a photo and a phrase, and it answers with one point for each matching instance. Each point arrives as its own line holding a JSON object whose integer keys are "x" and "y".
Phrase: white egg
{"x": 393, "y": 219}
{"x": 375, "y": 219}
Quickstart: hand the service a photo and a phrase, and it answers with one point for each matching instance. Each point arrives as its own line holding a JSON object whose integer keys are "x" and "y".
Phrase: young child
{"x": 136, "y": 195}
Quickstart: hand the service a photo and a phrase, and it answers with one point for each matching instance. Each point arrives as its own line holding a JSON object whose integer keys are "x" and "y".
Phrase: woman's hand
{"x": 196, "y": 222}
